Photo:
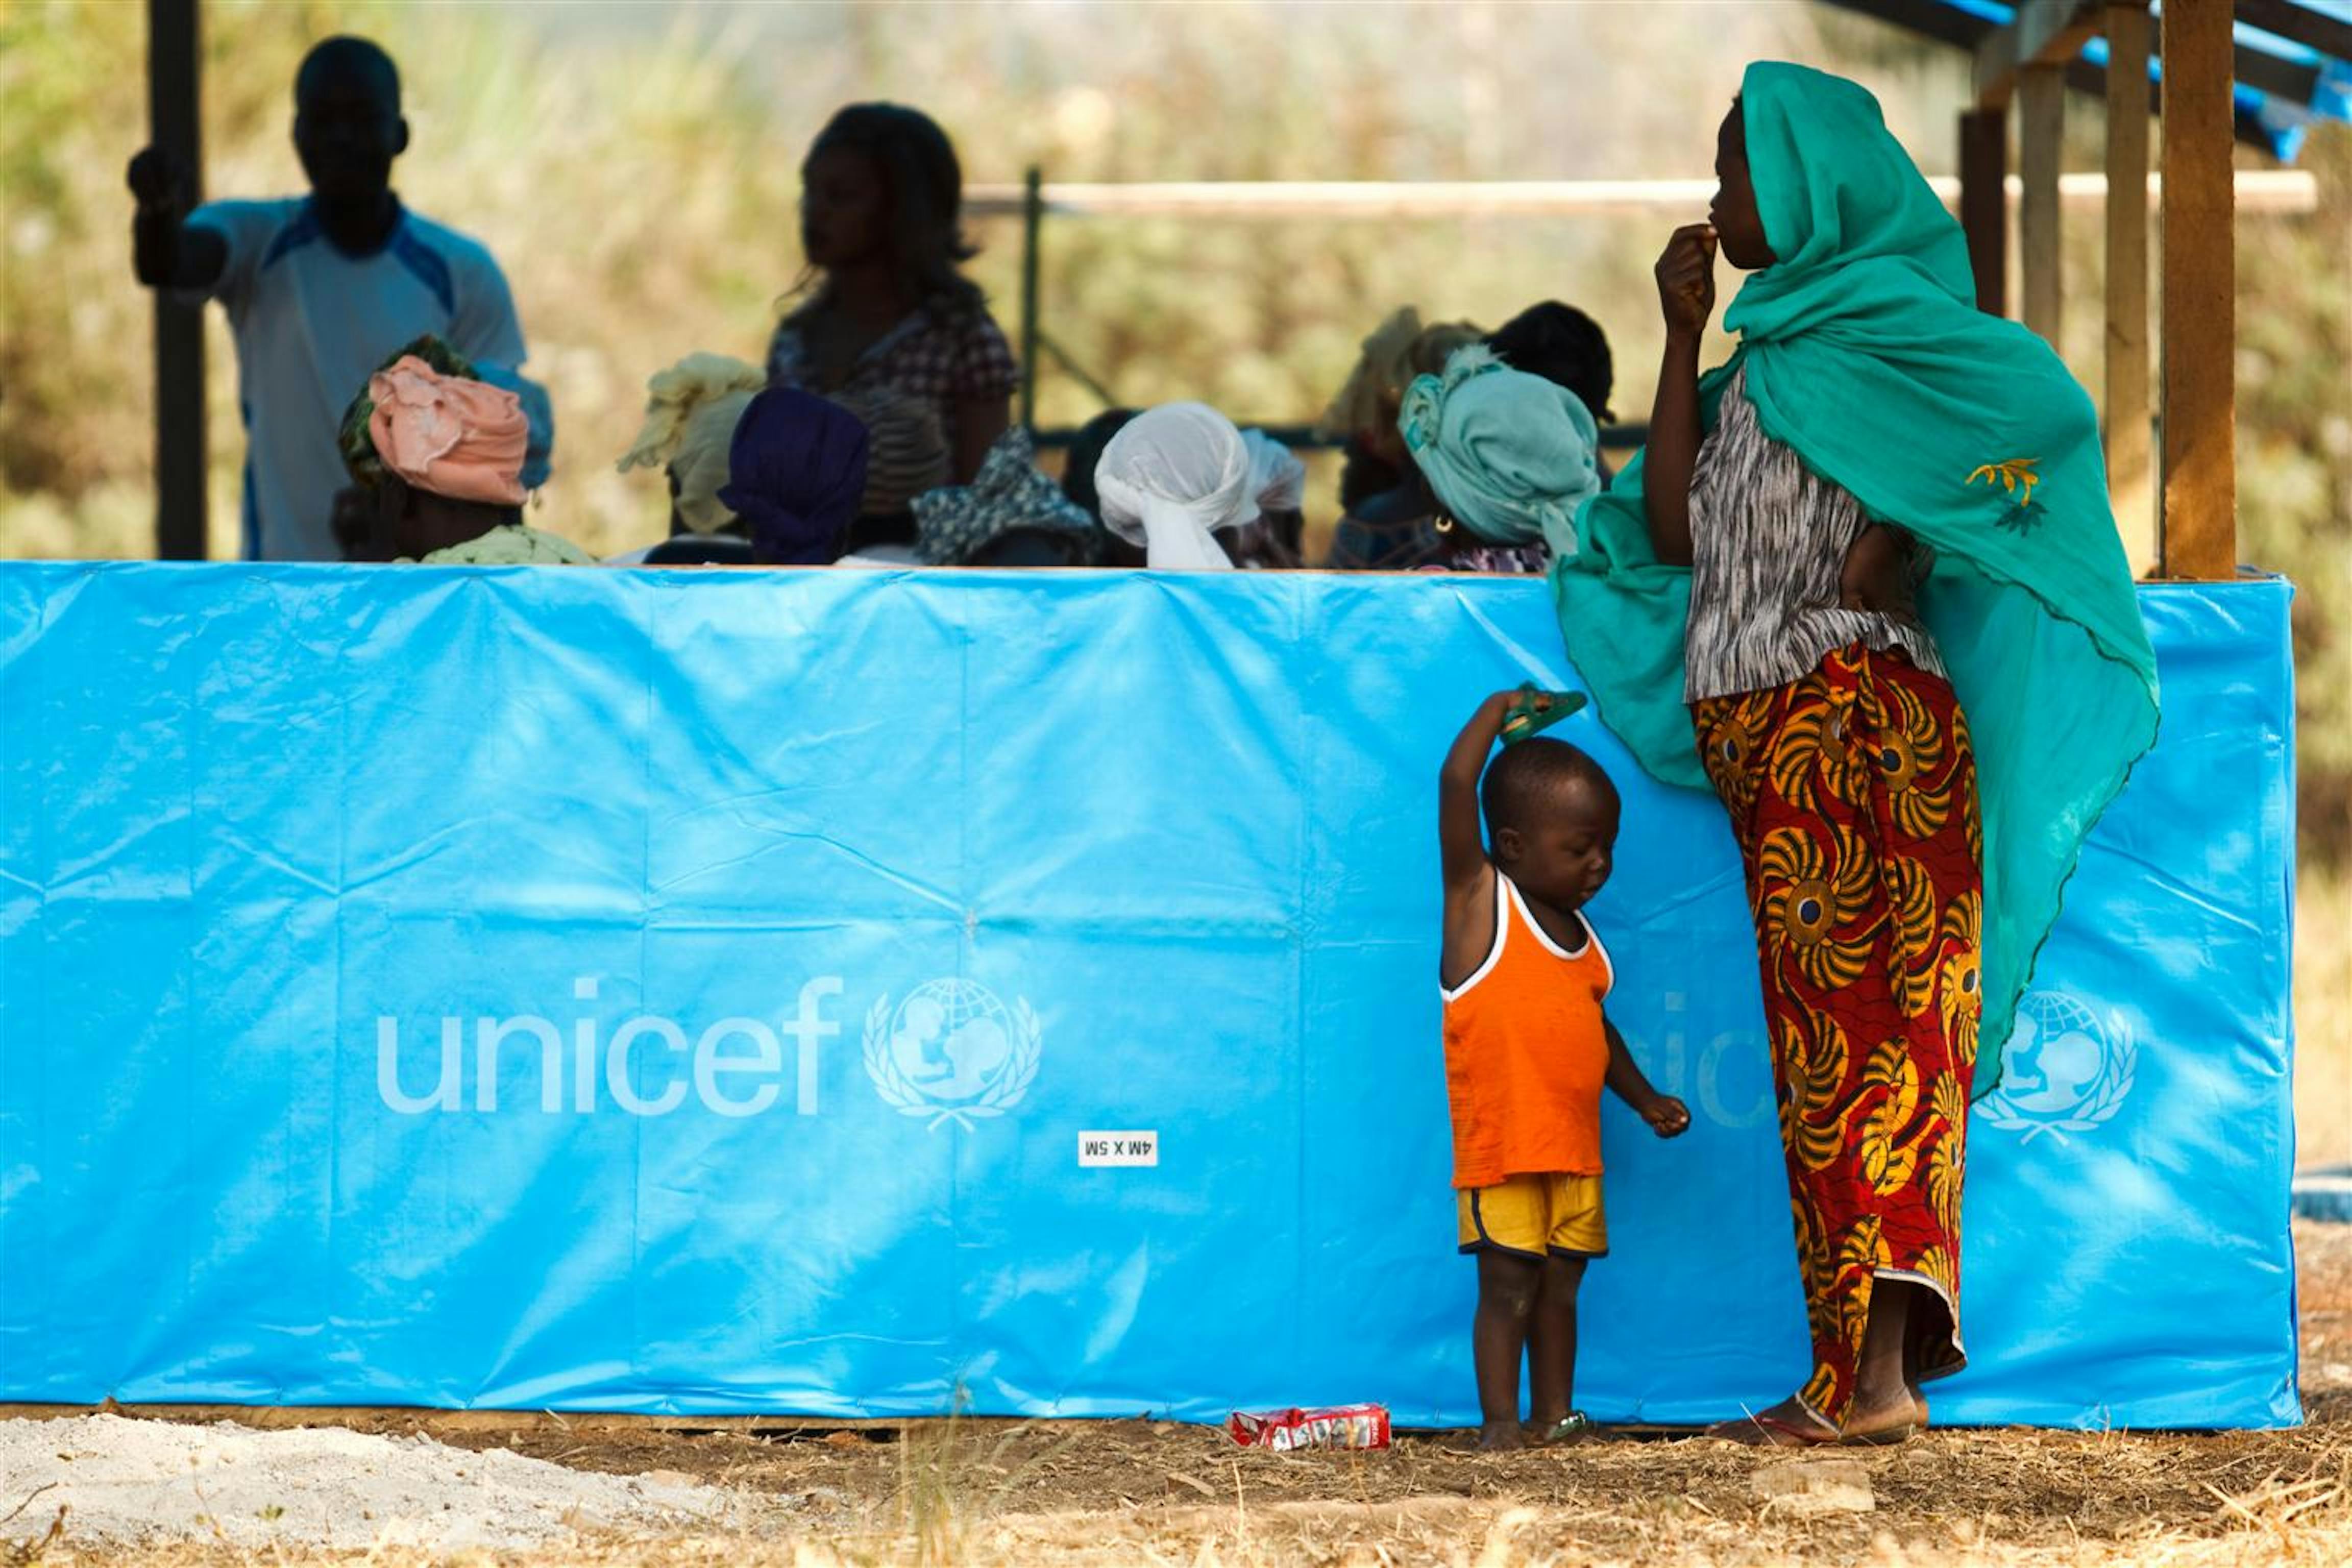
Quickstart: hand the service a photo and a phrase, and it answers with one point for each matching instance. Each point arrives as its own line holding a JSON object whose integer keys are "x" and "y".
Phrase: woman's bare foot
{"x": 1788, "y": 1424}
{"x": 1501, "y": 1437}
{"x": 1879, "y": 1420}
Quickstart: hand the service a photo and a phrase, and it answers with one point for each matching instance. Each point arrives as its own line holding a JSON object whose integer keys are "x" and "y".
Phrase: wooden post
{"x": 2199, "y": 534}
{"x": 172, "y": 123}
{"x": 2126, "y": 351}
{"x": 1984, "y": 204}
{"x": 2041, "y": 144}
{"x": 1033, "y": 233}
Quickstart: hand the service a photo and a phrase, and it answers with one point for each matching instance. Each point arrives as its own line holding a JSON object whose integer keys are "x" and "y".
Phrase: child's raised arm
{"x": 1462, "y": 845}
{"x": 1666, "y": 1115}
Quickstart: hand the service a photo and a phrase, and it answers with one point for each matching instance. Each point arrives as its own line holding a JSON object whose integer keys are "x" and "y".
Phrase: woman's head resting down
{"x": 1509, "y": 456}
{"x": 1171, "y": 479}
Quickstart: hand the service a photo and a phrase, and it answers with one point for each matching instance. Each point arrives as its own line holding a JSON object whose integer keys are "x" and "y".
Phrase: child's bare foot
{"x": 1501, "y": 1437}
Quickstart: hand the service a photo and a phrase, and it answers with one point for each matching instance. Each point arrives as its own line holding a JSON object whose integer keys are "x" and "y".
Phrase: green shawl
{"x": 1866, "y": 353}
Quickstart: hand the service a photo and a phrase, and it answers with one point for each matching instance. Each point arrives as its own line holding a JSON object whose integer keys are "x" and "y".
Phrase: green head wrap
{"x": 1866, "y": 353}
{"x": 1511, "y": 455}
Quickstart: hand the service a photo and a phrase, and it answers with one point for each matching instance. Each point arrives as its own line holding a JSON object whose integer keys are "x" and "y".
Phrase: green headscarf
{"x": 1866, "y": 353}
{"x": 1511, "y": 455}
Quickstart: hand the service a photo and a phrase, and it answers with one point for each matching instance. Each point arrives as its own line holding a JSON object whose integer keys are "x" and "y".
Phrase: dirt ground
{"x": 1134, "y": 1492}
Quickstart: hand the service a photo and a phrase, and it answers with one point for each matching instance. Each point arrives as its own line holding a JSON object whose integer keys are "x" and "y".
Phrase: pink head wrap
{"x": 455, "y": 437}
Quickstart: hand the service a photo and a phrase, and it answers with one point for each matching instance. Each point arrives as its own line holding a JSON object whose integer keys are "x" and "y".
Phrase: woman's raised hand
{"x": 1687, "y": 279}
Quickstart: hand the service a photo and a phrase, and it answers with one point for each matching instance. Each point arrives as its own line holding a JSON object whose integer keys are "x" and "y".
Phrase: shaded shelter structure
{"x": 2257, "y": 72}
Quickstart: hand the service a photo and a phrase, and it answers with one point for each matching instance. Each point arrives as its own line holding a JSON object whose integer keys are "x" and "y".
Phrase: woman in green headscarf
{"x": 1509, "y": 457}
{"x": 1871, "y": 561}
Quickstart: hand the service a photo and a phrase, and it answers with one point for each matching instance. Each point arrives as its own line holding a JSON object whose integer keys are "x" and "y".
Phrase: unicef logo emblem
{"x": 952, "y": 1052}
{"x": 2063, "y": 1071}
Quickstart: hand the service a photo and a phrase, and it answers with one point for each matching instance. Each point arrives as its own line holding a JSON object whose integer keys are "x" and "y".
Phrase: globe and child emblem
{"x": 2062, "y": 1070}
{"x": 952, "y": 1051}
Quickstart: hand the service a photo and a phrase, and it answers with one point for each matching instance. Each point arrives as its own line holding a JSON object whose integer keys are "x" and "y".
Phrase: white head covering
{"x": 1172, "y": 477}
{"x": 1277, "y": 479}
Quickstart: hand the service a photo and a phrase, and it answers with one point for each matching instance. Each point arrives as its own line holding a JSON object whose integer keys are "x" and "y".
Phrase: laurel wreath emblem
{"x": 906, "y": 1097}
{"x": 2118, "y": 1067}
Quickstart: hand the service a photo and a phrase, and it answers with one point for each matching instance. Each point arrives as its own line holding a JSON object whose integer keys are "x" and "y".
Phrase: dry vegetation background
{"x": 633, "y": 166}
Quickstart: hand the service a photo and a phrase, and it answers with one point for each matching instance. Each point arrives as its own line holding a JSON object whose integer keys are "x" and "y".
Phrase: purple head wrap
{"x": 796, "y": 471}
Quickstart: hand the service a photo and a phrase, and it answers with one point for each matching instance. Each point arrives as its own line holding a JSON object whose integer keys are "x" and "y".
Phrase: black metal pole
{"x": 1032, "y": 223}
{"x": 172, "y": 66}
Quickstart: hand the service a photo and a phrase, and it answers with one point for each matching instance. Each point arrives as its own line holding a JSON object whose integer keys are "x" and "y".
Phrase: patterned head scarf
{"x": 538, "y": 417}
{"x": 367, "y": 468}
{"x": 797, "y": 470}
{"x": 955, "y": 524}
{"x": 450, "y": 435}
{"x": 691, "y": 412}
{"x": 1171, "y": 479}
{"x": 1511, "y": 455}
{"x": 360, "y": 456}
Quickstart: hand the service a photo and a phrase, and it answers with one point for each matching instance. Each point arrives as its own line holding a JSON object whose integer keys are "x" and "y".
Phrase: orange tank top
{"x": 1526, "y": 1052}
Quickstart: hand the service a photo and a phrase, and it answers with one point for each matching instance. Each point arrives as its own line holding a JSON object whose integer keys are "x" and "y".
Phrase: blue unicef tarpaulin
{"x": 849, "y": 994}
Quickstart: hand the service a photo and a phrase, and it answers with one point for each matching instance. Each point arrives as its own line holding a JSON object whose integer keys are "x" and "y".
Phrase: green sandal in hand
{"x": 1537, "y": 710}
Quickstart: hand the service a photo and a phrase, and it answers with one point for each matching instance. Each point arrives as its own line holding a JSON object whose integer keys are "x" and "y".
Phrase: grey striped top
{"x": 1769, "y": 540}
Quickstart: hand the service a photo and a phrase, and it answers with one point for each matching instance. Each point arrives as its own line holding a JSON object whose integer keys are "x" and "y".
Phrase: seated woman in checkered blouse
{"x": 885, "y": 323}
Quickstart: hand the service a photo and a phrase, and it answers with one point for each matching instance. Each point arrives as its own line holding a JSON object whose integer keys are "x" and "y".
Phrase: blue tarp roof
{"x": 2286, "y": 79}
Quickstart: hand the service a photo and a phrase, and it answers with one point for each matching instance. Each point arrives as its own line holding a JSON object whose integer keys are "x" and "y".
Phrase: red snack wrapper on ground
{"x": 1343, "y": 1426}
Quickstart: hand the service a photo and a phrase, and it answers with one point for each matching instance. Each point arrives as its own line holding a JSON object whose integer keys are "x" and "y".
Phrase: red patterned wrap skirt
{"x": 1852, "y": 793}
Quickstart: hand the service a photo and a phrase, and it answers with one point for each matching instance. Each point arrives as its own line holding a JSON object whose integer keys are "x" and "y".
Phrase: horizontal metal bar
{"x": 1306, "y": 437}
{"x": 2258, "y": 190}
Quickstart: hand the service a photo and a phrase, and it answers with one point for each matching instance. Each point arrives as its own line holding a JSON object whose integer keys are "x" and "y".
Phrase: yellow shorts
{"x": 1535, "y": 1216}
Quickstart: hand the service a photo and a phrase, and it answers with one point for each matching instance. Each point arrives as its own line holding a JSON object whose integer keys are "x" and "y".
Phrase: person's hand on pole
{"x": 159, "y": 178}
{"x": 164, "y": 252}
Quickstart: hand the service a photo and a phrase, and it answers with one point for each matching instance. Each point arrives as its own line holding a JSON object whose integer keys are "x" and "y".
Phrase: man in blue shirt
{"x": 321, "y": 290}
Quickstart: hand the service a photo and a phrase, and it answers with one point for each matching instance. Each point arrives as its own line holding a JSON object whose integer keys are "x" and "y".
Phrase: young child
{"x": 1527, "y": 1049}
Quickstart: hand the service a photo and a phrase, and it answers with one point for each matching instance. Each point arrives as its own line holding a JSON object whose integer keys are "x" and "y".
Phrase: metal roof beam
{"x": 1933, "y": 19}
{"x": 2298, "y": 24}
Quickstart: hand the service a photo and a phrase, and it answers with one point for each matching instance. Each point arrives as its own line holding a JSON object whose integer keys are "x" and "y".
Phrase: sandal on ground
{"x": 1883, "y": 1437}
{"x": 1575, "y": 1426}
{"x": 1769, "y": 1431}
